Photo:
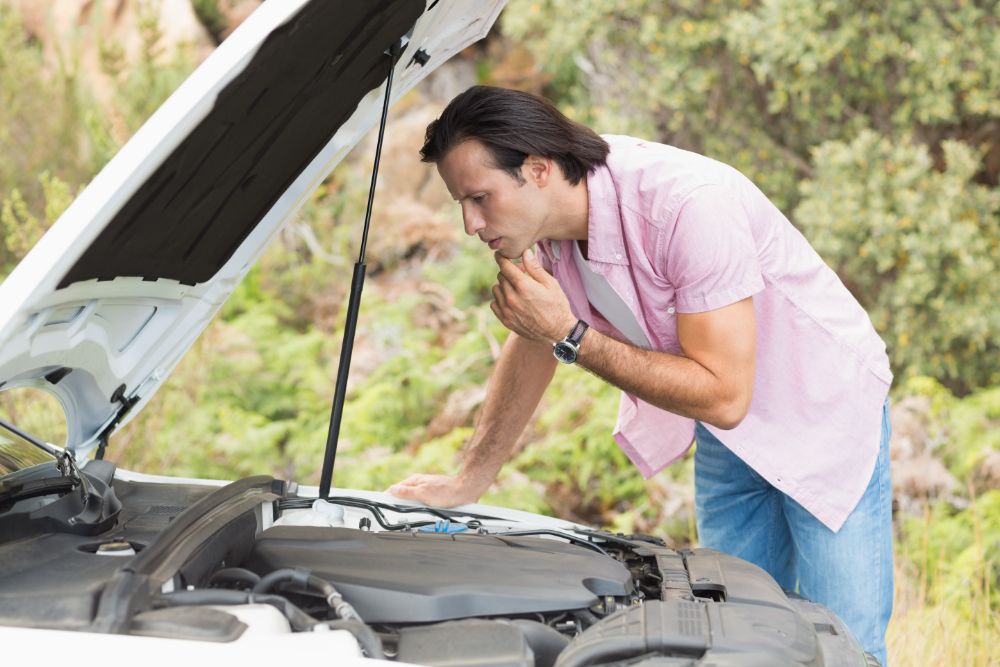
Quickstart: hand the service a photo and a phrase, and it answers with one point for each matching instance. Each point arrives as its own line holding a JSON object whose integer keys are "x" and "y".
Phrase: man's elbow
{"x": 728, "y": 414}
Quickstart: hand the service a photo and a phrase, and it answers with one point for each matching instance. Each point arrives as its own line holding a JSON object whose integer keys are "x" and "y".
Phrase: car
{"x": 102, "y": 564}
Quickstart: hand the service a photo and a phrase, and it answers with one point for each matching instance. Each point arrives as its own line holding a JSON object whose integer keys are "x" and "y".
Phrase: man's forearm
{"x": 519, "y": 380}
{"x": 713, "y": 382}
{"x": 674, "y": 383}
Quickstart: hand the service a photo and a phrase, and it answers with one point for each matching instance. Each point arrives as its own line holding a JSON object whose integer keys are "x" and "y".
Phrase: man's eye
{"x": 479, "y": 198}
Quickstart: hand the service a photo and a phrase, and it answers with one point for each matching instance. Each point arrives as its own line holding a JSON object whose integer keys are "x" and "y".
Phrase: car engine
{"x": 415, "y": 577}
{"x": 412, "y": 584}
{"x": 447, "y": 592}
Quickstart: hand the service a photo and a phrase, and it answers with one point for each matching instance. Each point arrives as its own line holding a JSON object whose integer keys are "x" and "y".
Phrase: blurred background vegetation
{"x": 874, "y": 126}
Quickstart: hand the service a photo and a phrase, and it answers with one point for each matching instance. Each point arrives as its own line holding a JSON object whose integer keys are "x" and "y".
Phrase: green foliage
{"x": 949, "y": 555}
{"x": 386, "y": 418}
{"x": 583, "y": 470}
{"x": 969, "y": 427}
{"x": 39, "y": 112}
{"x": 957, "y": 553}
{"x": 396, "y": 403}
{"x": 664, "y": 70}
{"x": 34, "y": 411}
{"x": 918, "y": 245}
{"x": 832, "y": 66}
{"x": 378, "y": 467}
{"x": 759, "y": 84}
{"x": 142, "y": 86}
{"x": 941, "y": 399}
{"x": 469, "y": 275}
{"x": 211, "y": 16}
{"x": 20, "y": 229}
{"x": 974, "y": 424}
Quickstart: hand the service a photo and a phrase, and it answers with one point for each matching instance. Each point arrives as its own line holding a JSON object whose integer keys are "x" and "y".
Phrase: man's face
{"x": 506, "y": 214}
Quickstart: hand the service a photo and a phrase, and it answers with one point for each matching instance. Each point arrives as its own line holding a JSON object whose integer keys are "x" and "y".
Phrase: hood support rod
{"x": 354, "y": 304}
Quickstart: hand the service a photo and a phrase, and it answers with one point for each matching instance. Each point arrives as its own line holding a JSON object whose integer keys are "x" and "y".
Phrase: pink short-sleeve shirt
{"x": 676, "y": 232}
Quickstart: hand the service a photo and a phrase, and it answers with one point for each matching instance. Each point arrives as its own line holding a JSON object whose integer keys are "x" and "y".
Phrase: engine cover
{"x": 413, "y": 577}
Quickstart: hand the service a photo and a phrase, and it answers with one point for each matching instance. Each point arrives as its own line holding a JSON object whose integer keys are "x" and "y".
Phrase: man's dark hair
{"x": 511, "y": 125}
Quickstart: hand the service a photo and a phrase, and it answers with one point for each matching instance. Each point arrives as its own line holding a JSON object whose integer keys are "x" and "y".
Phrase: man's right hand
{"x": 521, "y": 375}
{"x": 437, "y": 490}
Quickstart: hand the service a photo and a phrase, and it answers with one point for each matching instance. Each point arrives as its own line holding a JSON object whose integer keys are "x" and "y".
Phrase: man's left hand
{"x": 529, "y": 302}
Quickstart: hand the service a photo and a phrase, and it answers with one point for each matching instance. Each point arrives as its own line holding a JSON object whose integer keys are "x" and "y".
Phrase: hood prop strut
{"x": 354, "y": 304}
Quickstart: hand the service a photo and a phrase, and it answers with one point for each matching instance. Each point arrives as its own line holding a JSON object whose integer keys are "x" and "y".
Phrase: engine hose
{"x": 341, "y": 607}
{"x": 272, "y": 579}
{"x": 349, "y": 619}
{"x": 586, "y": 618}
{"x": 305, "y": 581}
{"x": 297, "y": 619}
{"x": 234, "y": 575}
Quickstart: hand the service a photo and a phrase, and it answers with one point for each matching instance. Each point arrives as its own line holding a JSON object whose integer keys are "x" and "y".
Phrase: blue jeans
{"x": 849, "y": 571}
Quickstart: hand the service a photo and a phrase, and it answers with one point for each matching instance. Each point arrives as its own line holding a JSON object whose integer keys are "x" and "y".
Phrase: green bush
{"x": 20, "y": 228}
{"x": 143, "y": 85}
{"x": 919, "y": 245}
{"x": 210, "y": 16}
{"x": 40, "y": 112}
{"x": 968, "y": 429}
{"x": 956, "y": 552}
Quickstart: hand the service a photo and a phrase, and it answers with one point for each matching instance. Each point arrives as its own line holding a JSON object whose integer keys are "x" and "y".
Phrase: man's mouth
{"x": 495, "y": 243}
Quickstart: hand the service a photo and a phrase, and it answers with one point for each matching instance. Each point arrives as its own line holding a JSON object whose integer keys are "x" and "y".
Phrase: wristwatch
{"x": 567, "y": 349}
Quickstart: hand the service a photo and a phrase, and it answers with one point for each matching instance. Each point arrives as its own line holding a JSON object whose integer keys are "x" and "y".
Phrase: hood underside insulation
{"x": 303, "y": 83}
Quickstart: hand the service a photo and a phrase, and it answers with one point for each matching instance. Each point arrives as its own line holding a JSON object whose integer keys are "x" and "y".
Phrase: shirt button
{"x": 618, "y": 255}
{"x": 670, "y": 310}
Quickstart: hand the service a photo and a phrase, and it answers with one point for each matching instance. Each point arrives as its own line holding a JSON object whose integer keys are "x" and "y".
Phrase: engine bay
{"x": 412, "y": 584}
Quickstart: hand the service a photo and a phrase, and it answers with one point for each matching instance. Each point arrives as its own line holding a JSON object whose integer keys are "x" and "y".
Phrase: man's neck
{"x": 571, "y": 207}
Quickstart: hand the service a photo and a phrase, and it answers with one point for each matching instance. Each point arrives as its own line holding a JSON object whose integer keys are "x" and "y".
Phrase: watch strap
{"x": 577, "y": 333}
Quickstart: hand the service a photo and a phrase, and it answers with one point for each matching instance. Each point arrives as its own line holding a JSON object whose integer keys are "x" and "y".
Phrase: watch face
{"x": 564, "y": 352}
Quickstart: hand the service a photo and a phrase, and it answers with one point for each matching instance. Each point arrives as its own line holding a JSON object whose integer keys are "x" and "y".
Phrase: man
{"x": 671, "y": 276}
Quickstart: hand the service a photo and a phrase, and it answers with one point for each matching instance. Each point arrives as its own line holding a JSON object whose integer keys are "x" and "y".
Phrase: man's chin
{"x": 508, "y": 250}
{"x": 507, "y": 253}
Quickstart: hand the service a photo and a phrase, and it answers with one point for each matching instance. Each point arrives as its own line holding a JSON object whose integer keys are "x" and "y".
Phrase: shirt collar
{"x": 605, "y": 241}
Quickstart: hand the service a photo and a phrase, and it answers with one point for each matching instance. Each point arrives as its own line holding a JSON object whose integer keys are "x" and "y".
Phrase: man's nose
{"x": 473, "y": 221}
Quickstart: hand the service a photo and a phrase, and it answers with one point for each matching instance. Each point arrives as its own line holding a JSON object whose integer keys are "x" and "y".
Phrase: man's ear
{"x": 538, "y": 170}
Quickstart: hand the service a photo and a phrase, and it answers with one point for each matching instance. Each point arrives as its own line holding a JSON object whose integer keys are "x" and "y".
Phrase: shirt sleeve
{"x": 710, "y": 257}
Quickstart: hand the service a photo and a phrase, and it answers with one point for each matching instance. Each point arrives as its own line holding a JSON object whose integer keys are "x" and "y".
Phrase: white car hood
{"x": 107, "y": 302}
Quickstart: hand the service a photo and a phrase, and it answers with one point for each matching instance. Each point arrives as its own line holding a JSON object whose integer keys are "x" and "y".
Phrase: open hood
{"x": 105, "y": 305}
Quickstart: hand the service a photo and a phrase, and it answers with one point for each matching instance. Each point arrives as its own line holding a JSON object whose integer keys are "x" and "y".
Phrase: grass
{"x": 923, "y": 632}
{"x": 937, "y": 621}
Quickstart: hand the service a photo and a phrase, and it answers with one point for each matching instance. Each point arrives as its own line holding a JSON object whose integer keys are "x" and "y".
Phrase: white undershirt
{"x": 607, "y": 302}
